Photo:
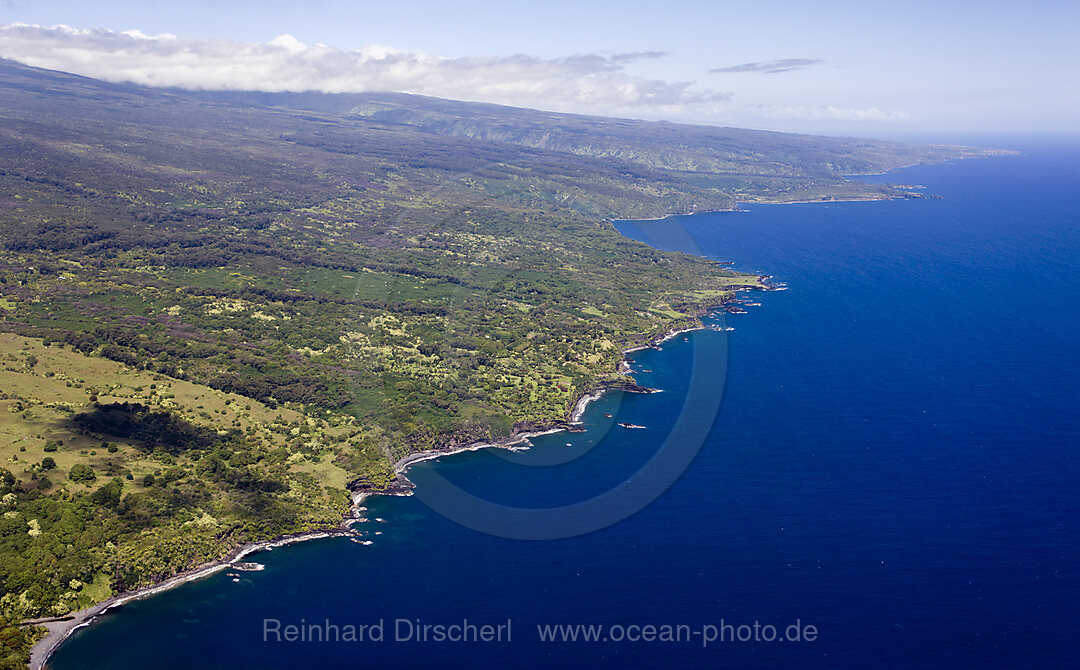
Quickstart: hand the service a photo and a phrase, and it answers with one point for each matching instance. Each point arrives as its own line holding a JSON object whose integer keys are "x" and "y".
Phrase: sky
{"x": 867, "y": 68}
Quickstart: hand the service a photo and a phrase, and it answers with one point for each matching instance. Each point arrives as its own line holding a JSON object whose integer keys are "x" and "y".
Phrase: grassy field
{"x": 44, "y": 387}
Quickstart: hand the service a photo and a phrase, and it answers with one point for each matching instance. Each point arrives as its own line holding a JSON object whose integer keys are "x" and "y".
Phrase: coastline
{"x": 826, "y": 202}
{"x": 521, "y": 440}
{"x": 59, "y": 629}
{"x": 668, "y": 216}
{"x": 870, "y": 197}
{"x": 972, "y": 153}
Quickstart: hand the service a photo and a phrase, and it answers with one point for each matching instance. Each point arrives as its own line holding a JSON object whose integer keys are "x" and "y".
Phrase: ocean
{"x": 877, "y": 468}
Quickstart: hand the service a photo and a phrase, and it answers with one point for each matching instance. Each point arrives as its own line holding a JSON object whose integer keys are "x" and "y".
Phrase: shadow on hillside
{"x": 147, "y": 427}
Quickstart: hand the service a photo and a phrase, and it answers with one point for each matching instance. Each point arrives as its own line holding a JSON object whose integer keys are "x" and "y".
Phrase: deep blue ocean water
{"x": 894, "y": 462}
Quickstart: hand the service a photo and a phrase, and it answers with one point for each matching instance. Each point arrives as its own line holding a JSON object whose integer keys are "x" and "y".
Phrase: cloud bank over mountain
{"x": 585, "y": 83}
{"x": 286, "y": 64}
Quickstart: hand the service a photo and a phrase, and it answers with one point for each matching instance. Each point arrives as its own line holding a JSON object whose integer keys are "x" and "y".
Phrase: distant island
{"x": 222, "y": 315}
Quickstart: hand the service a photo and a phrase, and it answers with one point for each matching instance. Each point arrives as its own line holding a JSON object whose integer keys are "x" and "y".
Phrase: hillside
{"x": 721, "y": 166}
{"x": 219, "y": 310}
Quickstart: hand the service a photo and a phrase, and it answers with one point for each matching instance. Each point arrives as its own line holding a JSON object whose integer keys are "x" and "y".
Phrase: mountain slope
{"x": 221, "y": 309}
{"x": 750, "y": 164}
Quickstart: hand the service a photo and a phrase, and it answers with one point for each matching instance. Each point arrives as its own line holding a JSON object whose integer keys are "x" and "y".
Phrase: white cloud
{"x": 770, "y": 67}
{"x": 588, "y": 82}
{"x": 585, "y": 83}
{"x": 828, "y": 112}
{"x": 289, "y": 43}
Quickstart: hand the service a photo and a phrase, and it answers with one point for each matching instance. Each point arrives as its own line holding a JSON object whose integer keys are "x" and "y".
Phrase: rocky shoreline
{"x": 60, "y": 628}
{"x": 400, "y": 484}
